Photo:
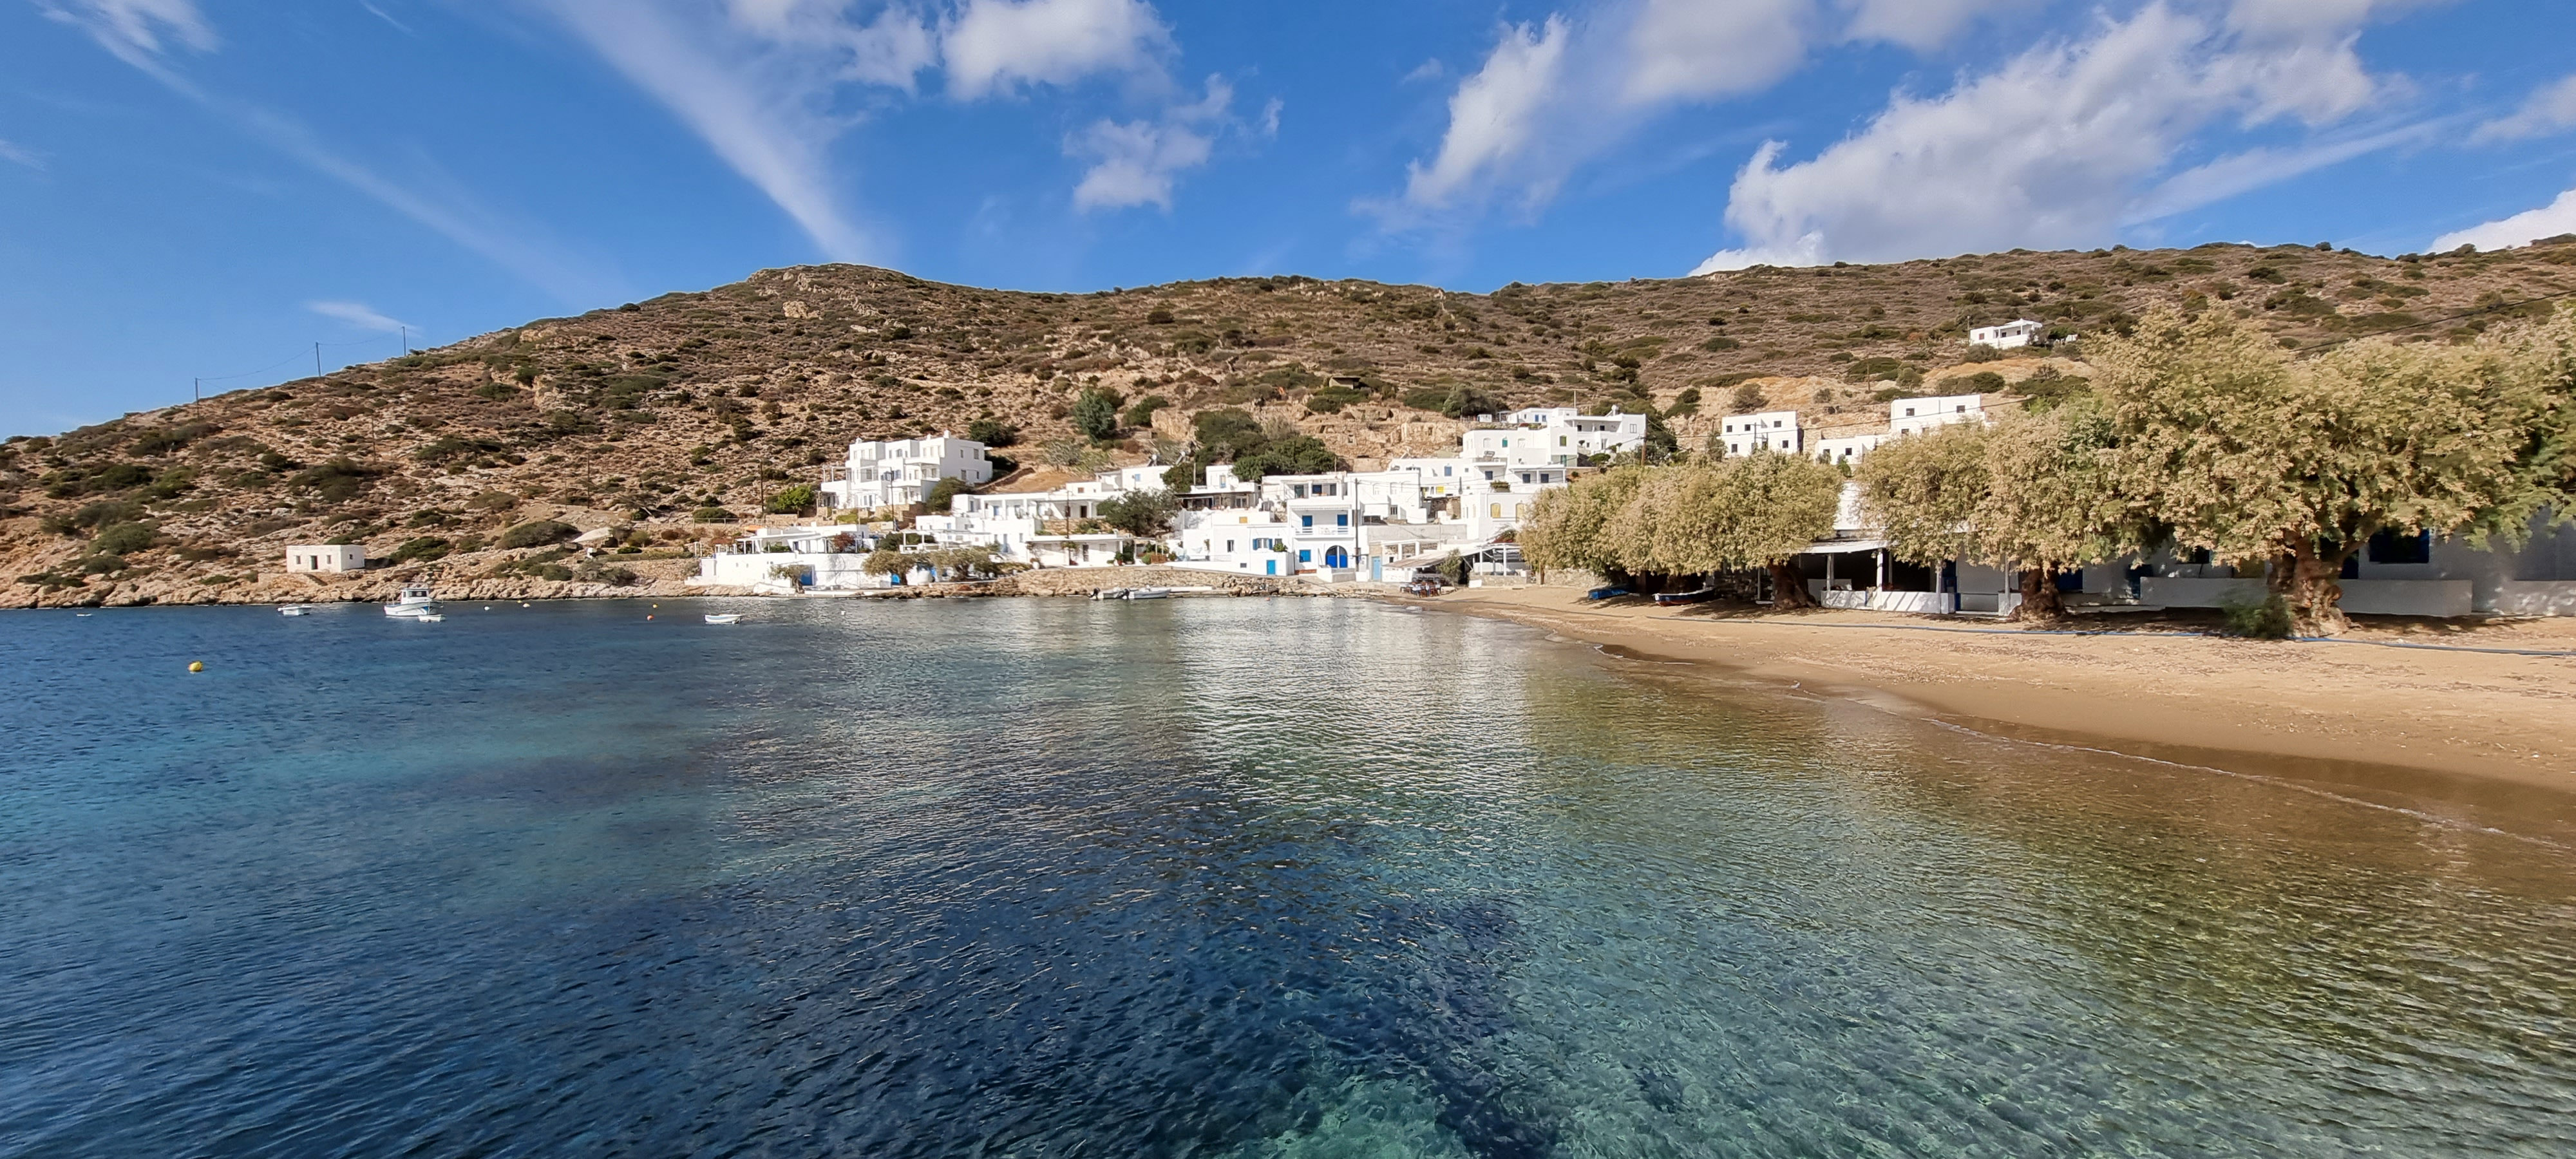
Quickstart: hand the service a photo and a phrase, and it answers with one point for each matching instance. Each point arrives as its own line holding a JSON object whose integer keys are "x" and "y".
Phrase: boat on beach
{"x": 1110, "y": 594}
{"x": 724, "y": 617}
{"x": 415, "y": 603}
{"x": 1149, "y": 593}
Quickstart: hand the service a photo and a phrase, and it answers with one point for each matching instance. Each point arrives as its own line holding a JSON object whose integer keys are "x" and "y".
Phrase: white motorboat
{"x": 1110, "y": 594}
{"x": 296, "y": 610}
{"x": 1149, "y": 593}
{"x": 724, "y": 617}
{"x": 414, "y": 602}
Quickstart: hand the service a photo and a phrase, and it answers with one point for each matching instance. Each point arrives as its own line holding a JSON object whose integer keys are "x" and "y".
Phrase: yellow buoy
{"x": 196, "y": 665}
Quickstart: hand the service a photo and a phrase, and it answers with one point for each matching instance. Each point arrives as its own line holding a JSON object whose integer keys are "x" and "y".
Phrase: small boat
{"x": 414, "y": 602}
{"x": 1110, "y": 594}
{"x": 1668, "y": 599}
{"x": 724, "y": 617}
{"x": 1149, "y": 593}
{"x": 296, "y": 610}
{"x": 1605, "y": 593}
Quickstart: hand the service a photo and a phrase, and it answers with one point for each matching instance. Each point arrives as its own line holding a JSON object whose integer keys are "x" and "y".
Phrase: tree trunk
{"x": 2040, "y": 599}
{"x": 1788, "y": 588}
{"x": 2311, "y": 584}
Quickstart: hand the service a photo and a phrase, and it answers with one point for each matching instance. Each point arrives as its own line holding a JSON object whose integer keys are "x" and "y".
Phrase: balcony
{"x": 1325, "y": 531}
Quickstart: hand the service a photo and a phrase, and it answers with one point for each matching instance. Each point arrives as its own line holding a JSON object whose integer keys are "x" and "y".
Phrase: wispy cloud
{"x": 2550, "y": 110}
{"x": 359, "y": 315}
{"x": 134, "y": 31}
{"x": 387, "y": 17}
{"x": 757, "y": 92}
{"x": 19, "y": 155}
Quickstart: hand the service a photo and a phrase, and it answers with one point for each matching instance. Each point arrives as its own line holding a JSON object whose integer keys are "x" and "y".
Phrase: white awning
{"x": 1845, "y": 546}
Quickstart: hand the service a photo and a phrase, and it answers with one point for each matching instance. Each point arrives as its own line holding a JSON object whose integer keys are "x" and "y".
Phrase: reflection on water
{"x": 1239, "y": 878}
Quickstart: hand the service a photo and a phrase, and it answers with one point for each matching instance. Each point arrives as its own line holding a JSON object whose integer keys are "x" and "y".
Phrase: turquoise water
{"x": 1311, "y": 878}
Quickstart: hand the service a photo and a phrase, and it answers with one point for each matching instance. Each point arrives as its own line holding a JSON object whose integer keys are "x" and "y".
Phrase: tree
{"x": 1922, "y": 491}
{"x": 943, "y": 495}
{"x": 1565, "y": 527}
{"x": 1141, "y": 412}
{"x": 789, "y": 500}
{"x": 2255, "y": 457}
{"x": 886, "y": 561}
{"x": 1295, "y": 455}
{"x": 1144, "y": 514}
{"x": 1095, "y": 414}
{"x": 993, "y": 432}
{"x": 2053, "y": 501}
{"x": 1758, "y": 511}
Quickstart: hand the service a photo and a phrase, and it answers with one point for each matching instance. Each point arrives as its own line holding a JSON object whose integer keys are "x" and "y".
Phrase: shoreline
{"x": 2480, "y": 723}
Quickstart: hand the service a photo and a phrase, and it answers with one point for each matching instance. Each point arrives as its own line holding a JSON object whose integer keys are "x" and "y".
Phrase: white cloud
{"x": 133, "y": 29}
{"x": 2550, "y": 110}
{"x": 755, "y": 89}
{"x": 1492, "y": 116}
{"x": 1921, "y": 25}
{"x": 1693, "y": 50}
{"x": 1554, "y": 95}
{"x": 1137, "y": 160}
{"x": 19, "y": 155}
{"x": 2056, "y": 148}
{"x": 357, "y": 314}
{"x": 993, "y": 46}
{"x": 2521, "y": 229}
{"x": 2308, "y": 19}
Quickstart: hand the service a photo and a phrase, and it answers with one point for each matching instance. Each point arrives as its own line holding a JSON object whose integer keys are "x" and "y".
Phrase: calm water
{"x": 1208, "y": 878}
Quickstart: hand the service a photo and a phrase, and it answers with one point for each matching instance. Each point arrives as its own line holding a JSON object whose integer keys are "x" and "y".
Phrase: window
{"x": 1909, "y": 412}
{"x": 2393, "y": 547}
{"x": 1310, "y": 522}
{"x": 1497, "y": 511}
{"x": 1229, "y": 546}
{"x": 1560, "y": 440}
{"x": 1306, "y": 556}
{"x": 1341, "y": 521}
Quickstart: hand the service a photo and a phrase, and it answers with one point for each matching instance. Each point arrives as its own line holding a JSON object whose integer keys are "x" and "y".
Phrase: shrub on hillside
{"x": 711, "y": 515}
{"x": 537, "y": 534}
{"x": 993, "y": 432}
{"x": 120, "y": 538}
{"x": 789, "y": 500}
{"x": 424, "y": 549}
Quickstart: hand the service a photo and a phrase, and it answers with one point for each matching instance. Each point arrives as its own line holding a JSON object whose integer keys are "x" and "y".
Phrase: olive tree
{"x": 1564, "y": 526}
{"x": 2258, "y": 457}
{"x": 1922, "y": 491}
{"x": 1754, "y": 512}
{"x": 2052, "y": 500}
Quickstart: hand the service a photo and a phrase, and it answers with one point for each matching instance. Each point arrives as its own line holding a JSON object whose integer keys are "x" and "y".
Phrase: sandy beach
{"x": 2348, "y": 711}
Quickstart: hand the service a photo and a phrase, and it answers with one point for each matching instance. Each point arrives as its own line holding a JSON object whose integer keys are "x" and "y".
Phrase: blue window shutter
{"x": 1306, "y": 556}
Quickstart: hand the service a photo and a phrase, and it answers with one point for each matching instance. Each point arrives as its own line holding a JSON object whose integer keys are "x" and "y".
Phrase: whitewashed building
{"x": 1913, "y": 416}
{"x": 1775, "y": 430}
{"x": 2016, "y": 333}
{"x": 901, "y": 472}
{"x": 326, "y": 557}
{"x": 1551, "y": 435}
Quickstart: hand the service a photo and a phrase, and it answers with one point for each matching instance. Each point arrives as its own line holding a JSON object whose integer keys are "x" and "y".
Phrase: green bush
{"x": 120, "y": 538}
{"x": 1141, "y": 412}
{"x": 537, "y": 534}
{"x": 789, "y": 500}
{"x": 993, "y": 432}
{"x": 424, "y": 549}
{"x": 1983, "y": 353}
{"x": 1095, "y": 414}
{"x": 2269, "y": 620}
{"x": 943, "y": 493}
{"x": 711, "y": 515}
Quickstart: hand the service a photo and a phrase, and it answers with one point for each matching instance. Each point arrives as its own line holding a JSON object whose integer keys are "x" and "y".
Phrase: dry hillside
{"x": 641, "y": 417}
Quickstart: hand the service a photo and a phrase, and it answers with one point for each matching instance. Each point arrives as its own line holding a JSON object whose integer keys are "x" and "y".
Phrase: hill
{"x": 647, "y": 417}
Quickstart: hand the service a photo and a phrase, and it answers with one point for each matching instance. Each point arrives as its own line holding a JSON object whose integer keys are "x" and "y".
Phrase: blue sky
{"x": 206, "y": 188}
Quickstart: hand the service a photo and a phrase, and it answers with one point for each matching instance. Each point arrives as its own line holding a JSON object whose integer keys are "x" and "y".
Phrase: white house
{"x": 1913, "y": 416}
{"x": 2019, "y": 332}
{"x": 1557, "y": 435}
{"x": 1039, "y": 524}
{"x": 326, "y": 557}
{"x": 1841, "y": 449}
{"x": 901, "y": 472}
{"x": 1774, "y": 429}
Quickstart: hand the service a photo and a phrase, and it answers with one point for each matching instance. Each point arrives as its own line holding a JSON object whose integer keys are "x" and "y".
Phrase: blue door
{"x": 1271, "y": 566}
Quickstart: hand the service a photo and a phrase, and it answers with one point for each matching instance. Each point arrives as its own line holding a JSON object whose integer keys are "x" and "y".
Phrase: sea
{"x": 1313, "y": 878}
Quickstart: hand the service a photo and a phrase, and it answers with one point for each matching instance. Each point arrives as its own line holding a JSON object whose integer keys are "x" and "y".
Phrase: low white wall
{"x": 832, "y": 570}
{"x": 1925, "y": 603}
{"x": 2536, "y": 598}
{"x": 2444, "y": 598}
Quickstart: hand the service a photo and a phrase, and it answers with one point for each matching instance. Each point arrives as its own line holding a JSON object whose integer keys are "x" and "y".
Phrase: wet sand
{"x": 2352, "y": 709}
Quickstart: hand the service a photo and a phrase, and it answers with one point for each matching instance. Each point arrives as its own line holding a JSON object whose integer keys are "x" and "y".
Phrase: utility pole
{"x": 406, "y": 331}
{"x": 197, "y": 389}
{"x": 317, "y": 360}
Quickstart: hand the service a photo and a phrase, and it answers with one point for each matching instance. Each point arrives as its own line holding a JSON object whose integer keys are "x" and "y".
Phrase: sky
{"x": 195, "y": 193}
